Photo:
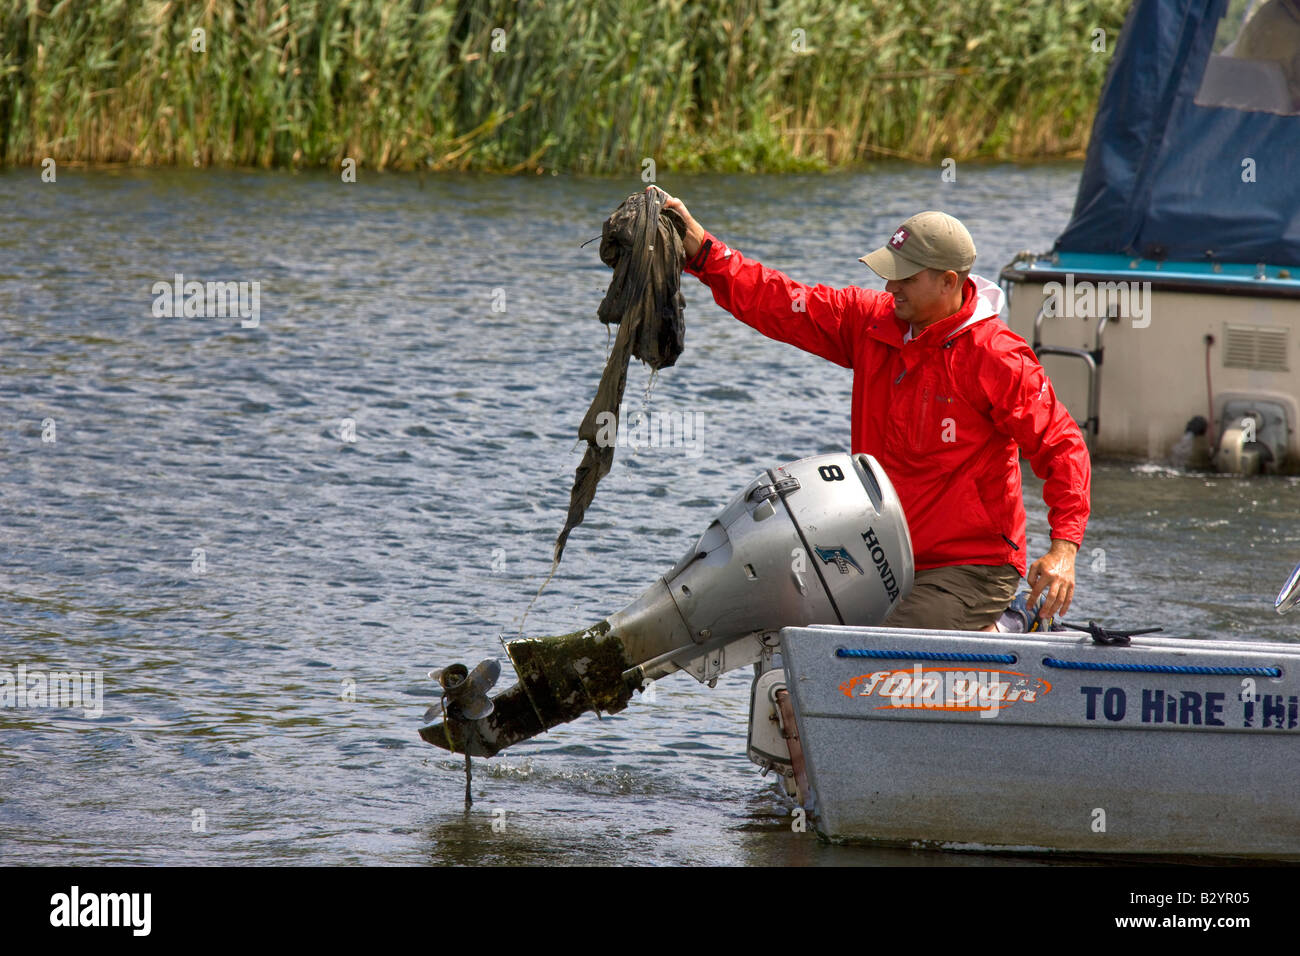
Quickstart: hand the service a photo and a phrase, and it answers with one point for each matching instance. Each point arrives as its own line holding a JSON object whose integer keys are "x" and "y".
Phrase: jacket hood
{"x": 989, "y": 299}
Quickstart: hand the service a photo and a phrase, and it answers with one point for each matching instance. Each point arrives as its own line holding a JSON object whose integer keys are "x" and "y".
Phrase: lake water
{"x": 265, "y": 536}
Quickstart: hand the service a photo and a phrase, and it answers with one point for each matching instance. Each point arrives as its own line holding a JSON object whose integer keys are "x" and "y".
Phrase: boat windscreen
{"x": 1255, "y": 61}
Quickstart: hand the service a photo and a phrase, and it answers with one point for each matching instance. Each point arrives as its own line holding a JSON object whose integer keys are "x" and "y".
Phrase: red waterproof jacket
{"x": 942, "y": 413}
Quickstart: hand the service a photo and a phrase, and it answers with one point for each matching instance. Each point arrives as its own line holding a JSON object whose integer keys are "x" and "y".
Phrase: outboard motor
{"x": 1254, "y": 434}
{"x": 818, "y": 541}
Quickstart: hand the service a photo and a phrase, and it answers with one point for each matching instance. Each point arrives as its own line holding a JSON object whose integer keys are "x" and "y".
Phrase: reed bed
{"x": 593, "y": 86}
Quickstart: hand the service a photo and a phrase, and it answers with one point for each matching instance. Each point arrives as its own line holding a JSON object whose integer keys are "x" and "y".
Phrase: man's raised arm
{"x": 818, "y": 319}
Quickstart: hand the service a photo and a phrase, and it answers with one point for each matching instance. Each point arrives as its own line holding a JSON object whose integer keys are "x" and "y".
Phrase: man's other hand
{"x": 694, "y": 231}
{"x": 1053, "y": 573}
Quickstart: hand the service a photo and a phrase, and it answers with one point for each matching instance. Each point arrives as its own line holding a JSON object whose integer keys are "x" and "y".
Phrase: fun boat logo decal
{"x": 946, "y": 688}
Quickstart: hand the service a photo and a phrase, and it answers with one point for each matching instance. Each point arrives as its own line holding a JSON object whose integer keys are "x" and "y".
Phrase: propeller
{"x": 464, "y": 692}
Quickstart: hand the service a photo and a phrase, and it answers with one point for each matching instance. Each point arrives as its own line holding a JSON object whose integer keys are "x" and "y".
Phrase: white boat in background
{"x": 1168, "y": 313}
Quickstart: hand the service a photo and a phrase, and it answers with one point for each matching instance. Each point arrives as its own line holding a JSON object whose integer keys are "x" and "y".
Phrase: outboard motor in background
{"x": 1254, "y": 433}
{"x": 818, "y": 541}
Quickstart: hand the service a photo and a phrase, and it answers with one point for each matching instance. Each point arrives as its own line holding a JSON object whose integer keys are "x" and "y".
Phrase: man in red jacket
{"x": 943, "y": 393}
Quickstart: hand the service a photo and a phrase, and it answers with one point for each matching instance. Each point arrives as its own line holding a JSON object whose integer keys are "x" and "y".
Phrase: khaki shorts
{"x": 961, "y": 597}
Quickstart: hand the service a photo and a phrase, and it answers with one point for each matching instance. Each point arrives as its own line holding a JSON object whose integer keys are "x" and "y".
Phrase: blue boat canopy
{"x": 1195, "y": 150}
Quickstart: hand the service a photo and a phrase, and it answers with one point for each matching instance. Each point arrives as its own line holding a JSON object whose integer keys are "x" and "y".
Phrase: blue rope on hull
{"x": 1164, "y": 668}
{"x": 956, "y": 656}
{"x": 927, "y": 656}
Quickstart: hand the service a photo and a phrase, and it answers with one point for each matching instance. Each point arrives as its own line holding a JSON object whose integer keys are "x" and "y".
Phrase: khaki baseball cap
{"x": 929, "y": 240}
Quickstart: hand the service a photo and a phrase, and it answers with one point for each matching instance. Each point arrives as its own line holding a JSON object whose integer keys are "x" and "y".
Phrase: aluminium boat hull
{"x": 1112, "y": 761}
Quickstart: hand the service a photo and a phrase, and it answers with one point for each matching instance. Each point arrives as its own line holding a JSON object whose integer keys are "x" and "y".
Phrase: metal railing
{"x": 1092, "y": 358}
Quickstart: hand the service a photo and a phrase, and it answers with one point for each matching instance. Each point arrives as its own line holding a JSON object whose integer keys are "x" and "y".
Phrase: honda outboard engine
{"x": 818, "y": 541}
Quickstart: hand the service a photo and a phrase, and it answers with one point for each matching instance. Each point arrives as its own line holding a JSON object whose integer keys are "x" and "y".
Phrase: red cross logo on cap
{"x": 898, "y": 238}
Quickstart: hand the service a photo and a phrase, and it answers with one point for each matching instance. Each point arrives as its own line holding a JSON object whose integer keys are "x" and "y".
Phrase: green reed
{"x": 529, "y": 85}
